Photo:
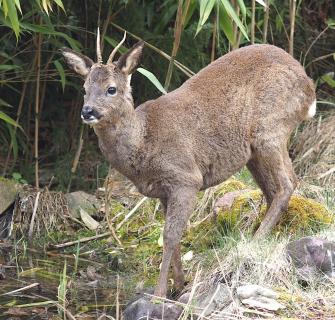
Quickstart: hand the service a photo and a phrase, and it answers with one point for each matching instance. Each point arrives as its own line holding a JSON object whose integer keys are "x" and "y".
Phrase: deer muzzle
{"x": 89, "y": 115}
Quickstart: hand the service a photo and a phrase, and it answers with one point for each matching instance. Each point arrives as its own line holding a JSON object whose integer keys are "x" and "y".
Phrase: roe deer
{"x": 239, "y": 110}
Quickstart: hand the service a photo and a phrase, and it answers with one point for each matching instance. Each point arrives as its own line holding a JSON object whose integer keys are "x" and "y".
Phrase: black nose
{"x": 87, "y": 112}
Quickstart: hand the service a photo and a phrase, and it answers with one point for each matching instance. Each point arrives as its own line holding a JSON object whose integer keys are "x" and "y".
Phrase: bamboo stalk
{"x": 37, "y": 105}
{"x": 76, "y": 157}
{"x": 18, "y": 115}
{"x": 253, "y": 13}
{"x": 214, "y": 38}
{"x": 236, "y": 31}
{"x": 292, "y": 24}
{"x": 177, "y": 35}
{"x": 266, "y": 21}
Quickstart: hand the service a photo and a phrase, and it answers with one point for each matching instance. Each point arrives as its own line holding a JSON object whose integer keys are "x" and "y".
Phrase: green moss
{"x": 302, "y": 214}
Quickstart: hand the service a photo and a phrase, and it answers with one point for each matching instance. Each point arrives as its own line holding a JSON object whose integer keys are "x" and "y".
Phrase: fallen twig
{"x": 32, "y": 223}
{"x": 131, "y": 212}
{"x": 71, "y": 243}
{"x": 33, "y": 285}
{"x": 106, "y": 234}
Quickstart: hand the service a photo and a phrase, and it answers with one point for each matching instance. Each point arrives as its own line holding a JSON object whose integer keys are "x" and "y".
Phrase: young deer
{"x": 239, "y": 110}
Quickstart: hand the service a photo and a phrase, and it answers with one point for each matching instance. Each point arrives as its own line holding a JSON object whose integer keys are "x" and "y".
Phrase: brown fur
{"x": 240, "y": 110}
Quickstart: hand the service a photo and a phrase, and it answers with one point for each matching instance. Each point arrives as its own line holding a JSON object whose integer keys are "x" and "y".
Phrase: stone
{"x": 226, "y": 201}
{"x": 80, "y": 199}
{"x": 256, "y": 296}
{"x": 254, "y": 290}
{"x": 312, "y": 255}
{"x": 206, "y": 302}
{"x": 263, "y": 303}
{"x": 143, "y": 308}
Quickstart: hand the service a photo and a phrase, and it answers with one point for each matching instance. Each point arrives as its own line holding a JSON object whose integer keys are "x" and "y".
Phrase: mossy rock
{"x": 8, "y": 192}
{"x": 229, "y": 185}
{"x": 247, "y": 212}
{"x": 302, "y": 214}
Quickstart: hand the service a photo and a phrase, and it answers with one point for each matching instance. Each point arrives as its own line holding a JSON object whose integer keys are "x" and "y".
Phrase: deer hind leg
{"x": 180, "y": 205}
{"x": 272, "y": 169}
{"x": 263, "y": 178}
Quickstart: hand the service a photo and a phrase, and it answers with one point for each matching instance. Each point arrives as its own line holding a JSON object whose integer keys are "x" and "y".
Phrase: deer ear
{"x": 129, "y": 61}
{"x": 77, "y": 61}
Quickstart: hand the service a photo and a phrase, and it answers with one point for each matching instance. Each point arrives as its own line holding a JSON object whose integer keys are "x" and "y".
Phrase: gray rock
{"x": 80, "y": 199}
{"x": 254, "y": 290}
{"x": 8, "y": 192}
{"x": 311, "y": 255}
{"x": 263, "y": 303}
{"x": 144, "y": 309}
{"x": 205, "y": 303}
{"x": 255, "y": 296}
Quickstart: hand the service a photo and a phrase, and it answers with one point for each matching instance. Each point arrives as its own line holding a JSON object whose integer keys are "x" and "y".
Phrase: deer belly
{"x": 223, "y": 167}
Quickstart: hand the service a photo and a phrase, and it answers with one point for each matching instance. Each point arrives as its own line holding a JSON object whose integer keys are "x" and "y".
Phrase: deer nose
{"x": 87, "y": 112}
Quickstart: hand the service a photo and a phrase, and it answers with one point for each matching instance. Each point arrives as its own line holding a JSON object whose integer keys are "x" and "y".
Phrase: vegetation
{"x": 44, "y": 99}
{"x": 43, "y": 143}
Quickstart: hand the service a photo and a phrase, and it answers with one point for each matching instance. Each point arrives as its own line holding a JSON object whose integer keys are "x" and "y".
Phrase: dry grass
{"x": 265, "y": 263}
{"x": 314, "y": 151}
{"x": 52, "y": 213}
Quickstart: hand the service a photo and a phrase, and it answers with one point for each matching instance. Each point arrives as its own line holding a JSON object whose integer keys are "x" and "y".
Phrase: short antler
{"x": 111, "y": 57}
{"x": 99, "y": 56}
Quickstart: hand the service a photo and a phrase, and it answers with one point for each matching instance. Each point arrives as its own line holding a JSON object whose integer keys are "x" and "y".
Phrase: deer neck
{"x": 121, "y": 140}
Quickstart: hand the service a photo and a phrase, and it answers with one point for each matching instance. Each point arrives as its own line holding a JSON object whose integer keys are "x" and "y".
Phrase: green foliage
{"x": 17, "y": 177}
{"x": 23, "y": 22}
{"x": 10, "y": 10}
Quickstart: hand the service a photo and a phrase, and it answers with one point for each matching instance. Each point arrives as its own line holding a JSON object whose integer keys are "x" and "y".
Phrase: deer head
{"x": 107, "y": 86}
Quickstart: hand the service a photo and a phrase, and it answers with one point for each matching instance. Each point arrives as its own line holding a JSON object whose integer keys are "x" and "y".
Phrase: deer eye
{"x": 111, "y": 91}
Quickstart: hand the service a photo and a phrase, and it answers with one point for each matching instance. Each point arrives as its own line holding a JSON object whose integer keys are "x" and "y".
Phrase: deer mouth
{"x": 90, "y": 120}
{"x": 90, "y": 116}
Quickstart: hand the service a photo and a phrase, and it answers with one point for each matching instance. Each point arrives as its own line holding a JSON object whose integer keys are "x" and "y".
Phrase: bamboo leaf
{"x": 3, "y": 103}
{"x": 7, "y": 67}
{"x": 75, "y": 45}
{"x": 61, "y": 72}
{"x": 45, "y": 6}
{"x": 152, "y": 78}
{"x": 261, "y": 2}
{"x": 13, "y": 18}
{"x": 18, "y": 5}
{"x": 233, "y": 15}
{"x": 206, "y": 7}
{"x": 5, "y": 8}
{"x": 328, "y": 78}
{"x": 241, "y": 4}
{"x": 226, "y": 24}
{"x": 13, "y": 140}
{"x": 60, "y": 4}
{"x": 8, "y": 119}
